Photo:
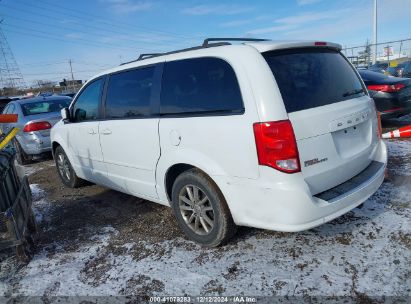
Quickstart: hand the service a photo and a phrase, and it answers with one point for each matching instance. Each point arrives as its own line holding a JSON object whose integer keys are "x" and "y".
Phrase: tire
{"x": 201, "y": 210}
{"x": 21, "y": 156}
{"x": 65, "y": 169}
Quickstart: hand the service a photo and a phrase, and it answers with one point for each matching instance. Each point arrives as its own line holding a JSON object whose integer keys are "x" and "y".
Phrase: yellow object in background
{"x": 8, "y": 137}
{"x": 393, "y": 63}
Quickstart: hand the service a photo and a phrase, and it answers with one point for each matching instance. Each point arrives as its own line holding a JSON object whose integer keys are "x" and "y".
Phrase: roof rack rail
{"x": 142, "y": 57}
{"x": 206, "y": 44}
{"x": 148, "y": 55}
{"x": 207, "y": 41}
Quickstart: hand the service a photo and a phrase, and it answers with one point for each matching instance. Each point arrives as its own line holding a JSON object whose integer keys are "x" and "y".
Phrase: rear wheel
{"x": 21, "y": 156}
{"x": 201, "y": 210}
{"x": 65, "y": 170}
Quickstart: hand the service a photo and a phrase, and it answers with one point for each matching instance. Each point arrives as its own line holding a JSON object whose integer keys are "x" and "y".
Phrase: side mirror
{"x": 65, "y": 114}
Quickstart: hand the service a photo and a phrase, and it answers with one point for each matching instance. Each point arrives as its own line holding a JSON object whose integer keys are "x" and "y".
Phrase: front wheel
{"x": 65, "y": 170}
{"x": 201, "y": 210}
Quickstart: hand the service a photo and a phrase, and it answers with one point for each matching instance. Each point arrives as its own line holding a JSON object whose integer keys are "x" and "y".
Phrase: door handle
{"x": 91, "y": 131}
{"x": 106, "y": 132}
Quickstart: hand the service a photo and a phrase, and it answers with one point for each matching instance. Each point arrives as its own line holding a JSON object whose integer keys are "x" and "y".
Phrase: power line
{"x": 77, "y": 39}
{"x": 99, "y": 29}
{"x": 64, "y": 72}
{"x": 46, "y": 63}
{"x": 81, "y": 15}
{"x": 49, "y": 37}
{"x": 64, "y": 61}
{"x": 104, "y": 65}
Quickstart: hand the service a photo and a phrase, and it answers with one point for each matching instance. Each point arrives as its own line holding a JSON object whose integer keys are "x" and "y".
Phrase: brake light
{"x": 320, "y": 43}
{"x": 276, "y": 146}
{"x": 36, "y": 126}
{"x": 388, "y": 88}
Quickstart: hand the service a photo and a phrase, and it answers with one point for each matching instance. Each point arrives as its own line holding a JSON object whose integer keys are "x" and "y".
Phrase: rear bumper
{"x": 34, "y": 143}
{"x": 395, "y": 113}
{"x": 287, "y": 204}
{"x": 391, "y": 105}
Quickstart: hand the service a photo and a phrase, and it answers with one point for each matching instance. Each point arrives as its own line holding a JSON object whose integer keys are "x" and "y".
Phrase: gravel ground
{"x": 94, "y": 241}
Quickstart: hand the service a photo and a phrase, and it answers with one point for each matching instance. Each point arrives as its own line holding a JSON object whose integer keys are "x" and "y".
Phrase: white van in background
{"x": 273, "y": 135}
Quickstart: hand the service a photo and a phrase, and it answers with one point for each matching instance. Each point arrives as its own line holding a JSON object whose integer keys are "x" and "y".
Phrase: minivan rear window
{"x": 313, "y": 77}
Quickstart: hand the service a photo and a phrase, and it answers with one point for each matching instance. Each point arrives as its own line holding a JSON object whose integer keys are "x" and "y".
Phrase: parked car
{"x": 392, "y": 95}
{"x": 274, "y": 135}
{"x": 379, "y": 67}
{"x": 394, "y": 71}
{"x": 36, "y": 116}
{"x": 404, "y": 70}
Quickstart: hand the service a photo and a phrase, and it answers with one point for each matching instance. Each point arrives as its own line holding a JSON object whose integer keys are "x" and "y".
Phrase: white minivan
{"x": 274, "y": 135}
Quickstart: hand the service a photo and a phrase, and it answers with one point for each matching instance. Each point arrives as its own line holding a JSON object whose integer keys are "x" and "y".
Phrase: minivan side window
{"x": 200, "y": 85}
{"x": 86, "y": 105}
{"x": 129, "y": 93}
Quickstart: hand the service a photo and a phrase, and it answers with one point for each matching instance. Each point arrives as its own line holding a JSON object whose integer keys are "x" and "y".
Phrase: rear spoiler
{"x": 266, "y": 46}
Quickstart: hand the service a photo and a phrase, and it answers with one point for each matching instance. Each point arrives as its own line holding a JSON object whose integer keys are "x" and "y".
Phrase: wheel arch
{"x": 177, "y": 169}
{"x": 54, "y": 146}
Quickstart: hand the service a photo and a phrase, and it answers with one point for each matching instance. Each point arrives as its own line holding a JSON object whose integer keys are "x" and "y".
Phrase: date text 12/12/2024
{"x": 205, "y": 299}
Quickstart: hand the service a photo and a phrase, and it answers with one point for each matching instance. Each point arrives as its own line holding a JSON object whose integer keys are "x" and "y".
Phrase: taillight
{"x": 276, "y": 146}
{"x": 36, "y": 126}
{"x": 389, "y": 88}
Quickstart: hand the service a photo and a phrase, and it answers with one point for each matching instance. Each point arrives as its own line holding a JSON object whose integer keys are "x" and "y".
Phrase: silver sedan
{"x": 36, "y": 116}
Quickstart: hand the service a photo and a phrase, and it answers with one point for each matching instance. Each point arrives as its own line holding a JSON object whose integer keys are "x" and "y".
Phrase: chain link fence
{"x": 391, "y": 52}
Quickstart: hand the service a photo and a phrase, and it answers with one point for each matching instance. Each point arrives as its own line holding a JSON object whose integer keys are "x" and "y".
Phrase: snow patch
{"x": 353, "y": 253}
{"x": 41, "y": 207}
{"x": 398, "y": 148}
{"x": 63, "y": 267}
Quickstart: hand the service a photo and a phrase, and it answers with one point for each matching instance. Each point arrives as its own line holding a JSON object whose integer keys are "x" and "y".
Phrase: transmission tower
{"x": 10, "y": 75}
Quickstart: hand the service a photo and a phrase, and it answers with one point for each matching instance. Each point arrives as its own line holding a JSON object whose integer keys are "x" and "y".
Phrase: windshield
{"x": 44, "y": 106}
{"x": 313, "y": 77}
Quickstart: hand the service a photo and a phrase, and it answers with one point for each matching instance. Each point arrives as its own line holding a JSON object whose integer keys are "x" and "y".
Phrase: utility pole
{"x": 72, "y": 76}
{"x": 388, "y": 53}
{"x": 71, "y": 70}
{"x": 399, "y": 54}
{"x": 374, "y": 57}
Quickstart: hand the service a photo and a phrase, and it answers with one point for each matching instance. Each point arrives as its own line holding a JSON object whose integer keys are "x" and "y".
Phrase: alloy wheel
{"x": 196, "y": 209}
{"x": 63, "y": 166}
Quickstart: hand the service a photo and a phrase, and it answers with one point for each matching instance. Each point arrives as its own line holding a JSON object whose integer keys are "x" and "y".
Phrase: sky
{"x": 44, "y": 35}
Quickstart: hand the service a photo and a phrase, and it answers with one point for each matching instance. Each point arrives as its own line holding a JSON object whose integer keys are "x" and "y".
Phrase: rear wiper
{"x": 353, "y": 92}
